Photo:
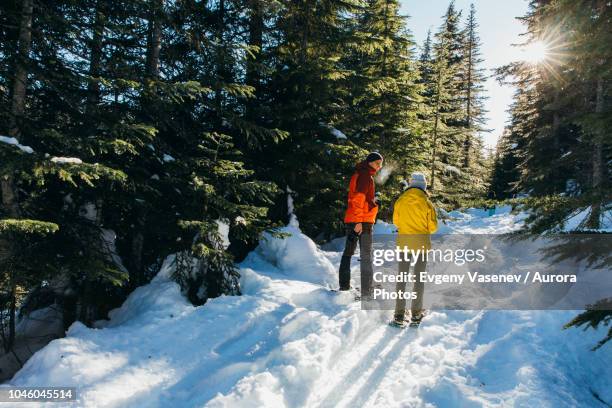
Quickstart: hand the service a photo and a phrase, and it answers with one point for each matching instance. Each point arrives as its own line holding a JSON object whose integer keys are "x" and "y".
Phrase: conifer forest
{"x": 132, "y": 130}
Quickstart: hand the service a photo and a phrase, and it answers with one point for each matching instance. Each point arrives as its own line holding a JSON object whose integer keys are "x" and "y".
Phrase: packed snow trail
{"x": 291, "y": 342}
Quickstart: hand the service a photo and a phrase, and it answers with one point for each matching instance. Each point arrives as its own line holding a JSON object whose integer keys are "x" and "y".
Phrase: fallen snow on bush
{"x": 15, "y": 142}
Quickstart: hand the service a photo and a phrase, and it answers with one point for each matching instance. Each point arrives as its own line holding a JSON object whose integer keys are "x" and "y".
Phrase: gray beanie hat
{"x": 418, "y": 179}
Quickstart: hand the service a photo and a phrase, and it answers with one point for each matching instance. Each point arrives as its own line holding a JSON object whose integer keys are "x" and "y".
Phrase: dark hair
{"x": 373, "y": 157}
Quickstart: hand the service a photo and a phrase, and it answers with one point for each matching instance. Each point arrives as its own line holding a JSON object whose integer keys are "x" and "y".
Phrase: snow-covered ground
{"x": 289, "y": 341}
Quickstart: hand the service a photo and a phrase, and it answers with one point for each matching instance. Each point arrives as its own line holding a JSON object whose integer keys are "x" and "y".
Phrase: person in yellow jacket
{"x": 415, "y": 218}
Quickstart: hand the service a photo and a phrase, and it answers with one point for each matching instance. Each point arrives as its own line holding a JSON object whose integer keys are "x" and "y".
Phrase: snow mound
{"x": 297, "y": 256}
{"x": 158, "y": 300}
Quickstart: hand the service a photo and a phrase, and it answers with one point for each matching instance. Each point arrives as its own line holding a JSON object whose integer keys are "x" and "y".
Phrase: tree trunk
{"x": 386, "y": 36}
{"x": 435, "y": 130}
{"x": 20, "y": 69}
{"x": 154, "y": 32}
{"x": 10, "y": 204}
{"x": 86, "y": 312}
{"x": 433, "y": 154}
{"x": 9, "y": 193}
{"x": 9, "y": 196}
{"x": 11, "y": 337}
{"x": 6, "y": 252}
{"x": 253, "y": 79}
{"x": 384, "y": 139}
{"x": 556, "y": 123}
{"x": 597, "y": 155}
{"x": 93, "y": 88}
{"x": 304, "y": 25}
{"x": 468, "y": 137}
{"x": 220, "y": 69}
{"x": 154, "y": 39}
{"x": 137, "y": 270}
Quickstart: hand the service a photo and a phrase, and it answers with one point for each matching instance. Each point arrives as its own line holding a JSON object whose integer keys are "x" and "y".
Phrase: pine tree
{"x": 201, "y": 175}
{"x": 445, "y": 104}
{"x": 31, "y": 178}
{"x": 560, "y": 120}
{"x": 475, "y": 113}
{"x": 470, "y": 176}
{"x": 304, "y": 95}
{"x": 557, "y": 120}
{"x": 385, "y": 93}
{"x": 17, "y": 233}
{"x": 505, "y": 167}
{"x": 154, "y": 162}
{"x": 474, "y": 85}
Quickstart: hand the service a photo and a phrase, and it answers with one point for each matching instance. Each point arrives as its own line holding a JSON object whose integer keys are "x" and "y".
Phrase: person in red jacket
{"x": 359, "y": 219}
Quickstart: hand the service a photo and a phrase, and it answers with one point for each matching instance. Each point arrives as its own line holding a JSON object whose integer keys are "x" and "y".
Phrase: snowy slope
{"x": 289, "y": 341}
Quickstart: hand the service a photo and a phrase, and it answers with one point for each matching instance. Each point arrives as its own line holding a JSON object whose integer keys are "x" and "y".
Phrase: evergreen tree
{"x": 303, "y": 95}
{"x": 445, "y": 105}
{"x": 473, "y": 87}
{"x": 560, "y": 113}
{"x": 561, "y": 120}
{"x": 470, "y": 177}
{"x": 385, "y": 93}
{"x": 33, "y": 182}
{"x": 153, "y": 159}
{"x": 505, "y": 167}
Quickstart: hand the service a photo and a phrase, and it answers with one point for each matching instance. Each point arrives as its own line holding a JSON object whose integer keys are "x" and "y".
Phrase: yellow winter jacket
{"x": 415, "y": 217}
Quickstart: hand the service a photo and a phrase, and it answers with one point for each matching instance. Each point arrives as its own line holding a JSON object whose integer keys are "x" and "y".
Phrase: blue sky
{"x": 498, "y": 30}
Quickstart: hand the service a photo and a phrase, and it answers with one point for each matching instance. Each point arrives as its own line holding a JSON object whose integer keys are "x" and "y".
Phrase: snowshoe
{"x": 352, "y": 290}
{"x": 339, "y": 290}
{"x": 400, "y": 324}
{"x": 357, "y": 293}
{"x": 367, "y": 297}
{"x": 415, "y": 321}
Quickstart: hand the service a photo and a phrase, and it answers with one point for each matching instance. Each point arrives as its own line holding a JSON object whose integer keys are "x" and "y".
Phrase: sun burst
{"x": 547, "y": 53}
{"x": 535, "y": 52}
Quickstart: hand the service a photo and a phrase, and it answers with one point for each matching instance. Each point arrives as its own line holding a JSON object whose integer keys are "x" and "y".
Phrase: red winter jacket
{"x": 361, "y": 205}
